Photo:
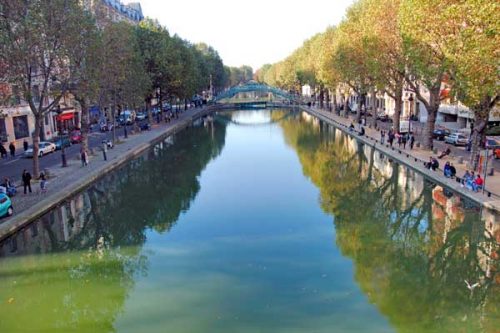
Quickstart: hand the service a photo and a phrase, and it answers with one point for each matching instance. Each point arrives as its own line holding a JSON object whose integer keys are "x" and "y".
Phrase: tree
{"x": 123, "y": 81}
{"x": 422, "y": 33}
{"x": 84, "y": 58}
{"x": 471, "y": 46}
{"x": 34, "y": 53}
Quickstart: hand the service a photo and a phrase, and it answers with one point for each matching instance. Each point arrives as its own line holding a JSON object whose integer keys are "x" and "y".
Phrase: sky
{"x": 253, "y": 32}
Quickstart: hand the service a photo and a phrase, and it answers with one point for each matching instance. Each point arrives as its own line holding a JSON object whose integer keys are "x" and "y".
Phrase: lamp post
{"x": 410, "y": 99}
{"x": 63, "y": 152}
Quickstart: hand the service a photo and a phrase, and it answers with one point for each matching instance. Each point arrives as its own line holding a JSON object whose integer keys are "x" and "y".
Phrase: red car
{"x": 76, "y": 137}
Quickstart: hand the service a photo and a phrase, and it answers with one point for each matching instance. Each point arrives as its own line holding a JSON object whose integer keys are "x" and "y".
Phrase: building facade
{"x": 107, "y": 11}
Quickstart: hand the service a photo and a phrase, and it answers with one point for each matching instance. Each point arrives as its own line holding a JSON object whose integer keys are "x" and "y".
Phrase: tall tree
{"x": 34, "y": 52}
{"x": 427, "y": 64}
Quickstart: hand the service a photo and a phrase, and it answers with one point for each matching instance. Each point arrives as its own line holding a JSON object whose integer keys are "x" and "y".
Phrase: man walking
{"x": 83, "y": 156}
{"x": 12, "y": 149}
{"x": 26, "y": 177}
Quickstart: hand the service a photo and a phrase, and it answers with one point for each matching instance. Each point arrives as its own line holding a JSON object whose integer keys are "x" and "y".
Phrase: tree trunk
{"x": 398, "y": 101}
{"x": 432, "y": 110}
{"x": 321, "y": 96}
{"x": 85, "y": 119}
{"x": 373, "y": 108}
{"x": 148, "y": 110}
{"x": 358, "y": 111}
{"x": 36, "y": 145}
{"x": 113, "y": 116}
{"x": 427, "y": 139}
{"x": 478, "y": 135}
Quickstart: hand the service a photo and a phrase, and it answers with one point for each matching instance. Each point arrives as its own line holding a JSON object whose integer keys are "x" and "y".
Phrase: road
{"x": 13, "y": 167}
{"x": 441, "y": 145}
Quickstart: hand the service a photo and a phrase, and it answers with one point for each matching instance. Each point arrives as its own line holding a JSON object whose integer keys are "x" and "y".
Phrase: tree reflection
{"x": 413, "y": 244}
{"x": 94, "y": 240}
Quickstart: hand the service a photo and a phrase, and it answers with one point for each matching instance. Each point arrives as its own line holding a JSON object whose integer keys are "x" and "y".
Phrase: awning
{"x": 66, "y": 116}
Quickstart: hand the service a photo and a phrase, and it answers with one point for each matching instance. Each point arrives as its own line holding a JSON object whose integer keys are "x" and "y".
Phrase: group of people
{"x": 12, "y": 149}
{"x": 400, "y": 138}
{"x": 471, "y": 181}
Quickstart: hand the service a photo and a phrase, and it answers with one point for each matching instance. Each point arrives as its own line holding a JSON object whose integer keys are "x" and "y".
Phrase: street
{"x": 13, "y": 168}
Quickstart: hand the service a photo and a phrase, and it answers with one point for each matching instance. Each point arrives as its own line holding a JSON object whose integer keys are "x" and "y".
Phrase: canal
{"x": 261, "y": 221}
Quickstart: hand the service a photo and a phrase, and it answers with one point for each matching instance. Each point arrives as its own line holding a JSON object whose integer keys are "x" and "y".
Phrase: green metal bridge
{"x": 233, "y": 94}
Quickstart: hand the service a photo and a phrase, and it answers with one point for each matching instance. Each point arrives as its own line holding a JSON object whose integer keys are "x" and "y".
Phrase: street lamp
{"x": 63, "y": 152}
{"x": 410, "y": 99}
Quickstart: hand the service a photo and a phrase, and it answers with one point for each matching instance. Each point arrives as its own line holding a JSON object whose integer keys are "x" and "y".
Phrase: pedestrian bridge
{"x": 254, "y": 93}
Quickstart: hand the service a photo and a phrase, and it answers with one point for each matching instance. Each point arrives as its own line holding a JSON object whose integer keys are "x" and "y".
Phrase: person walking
{"x": 404, "y": 139}
{"x": 382, "y": 136}
{"x": 105, "y": 150}
{"x": 391, "y": 137}
{"x": 26, "y": 177}
{"x": 12, "y": 149}
{"x": 3, "y": 151}
{"x": 25, "y": 145}
{"x": 43, "y": 183}
{"x": 412, "y": 141}
{"x": 83, "y": 156}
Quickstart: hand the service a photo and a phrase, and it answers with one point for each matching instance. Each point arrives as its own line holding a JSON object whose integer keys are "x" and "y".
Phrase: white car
{"x": 44, "y": 149}
{"x": 457, "y": 139}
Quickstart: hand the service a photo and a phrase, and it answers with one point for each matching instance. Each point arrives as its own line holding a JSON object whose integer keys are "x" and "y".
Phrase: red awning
{"x": 65, "y": 116}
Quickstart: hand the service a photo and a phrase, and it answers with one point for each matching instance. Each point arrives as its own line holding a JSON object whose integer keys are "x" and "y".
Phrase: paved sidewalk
{"x": 492, "y": 183}
{"x": 64, "y": 181}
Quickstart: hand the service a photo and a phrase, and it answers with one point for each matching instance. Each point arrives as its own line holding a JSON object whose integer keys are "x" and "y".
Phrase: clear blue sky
{"x": 247, "y": 32}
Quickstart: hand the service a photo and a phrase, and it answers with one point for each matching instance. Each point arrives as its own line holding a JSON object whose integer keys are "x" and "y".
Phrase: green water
{"x": 265, "y": 221}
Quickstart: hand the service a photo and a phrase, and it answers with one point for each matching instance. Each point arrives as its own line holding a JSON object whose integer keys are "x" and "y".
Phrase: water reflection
{"x": 92, "y": 243}
{"x": 413, "y": 244}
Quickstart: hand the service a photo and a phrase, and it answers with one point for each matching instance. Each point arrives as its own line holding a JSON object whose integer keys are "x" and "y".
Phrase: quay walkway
{"x": 66, "y": 182}
{"x": 415, "y": 158}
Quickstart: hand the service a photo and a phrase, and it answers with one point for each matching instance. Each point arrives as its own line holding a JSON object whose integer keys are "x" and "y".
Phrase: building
{"x": 115, "y": 11}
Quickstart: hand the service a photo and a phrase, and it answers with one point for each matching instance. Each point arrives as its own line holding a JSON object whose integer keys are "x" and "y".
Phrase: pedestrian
{"x": 398, "y": 139}
{"x": 435, "y": 164}
{"x": 362, "y": 131}
{"x": 412, "y": 141}
{"x": 453, "y": 171}
{"x": 26, "y": 177}
{"x": 43, "y": 183}
{"x": 391, "y": 137}
{"x": 382, "y": 136}
{"x": 3, "y": 151}
{"x": 105, "y": 149}
{"x": 83, "y": 156}
{"x": 404, "y": 139}
{"x": 25, "y": 145}
{"x": 12, "y": 149}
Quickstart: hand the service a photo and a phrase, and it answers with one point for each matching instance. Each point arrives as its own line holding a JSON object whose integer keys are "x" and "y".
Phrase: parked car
{"x": 140, "y": 116}
{"x": 76, "y": 137}
{"x": 64, "y": 141}
{"x": 491, "y": 143}
{"x": 384, "y": 118}
{"x": 44, "y": 149}
{"x": 6, "y": 208}
{"x": 457, "y": 139}
{"x": 440, "y": 134}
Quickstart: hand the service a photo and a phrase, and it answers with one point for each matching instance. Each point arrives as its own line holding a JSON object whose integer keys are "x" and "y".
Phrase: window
{"x": 46, "y": 120}
{"x": 21, "y": 129}
{"x": 3, "y": 131}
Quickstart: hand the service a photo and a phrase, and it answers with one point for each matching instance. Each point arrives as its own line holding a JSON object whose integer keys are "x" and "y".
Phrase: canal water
{"x": 262, "y": 221}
